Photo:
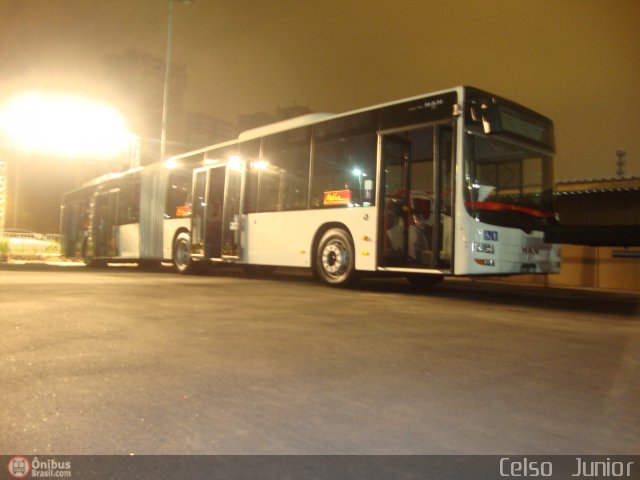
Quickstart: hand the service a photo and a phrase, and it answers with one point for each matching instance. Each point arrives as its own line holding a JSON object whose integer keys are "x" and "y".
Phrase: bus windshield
{"x": 507, "y": 184}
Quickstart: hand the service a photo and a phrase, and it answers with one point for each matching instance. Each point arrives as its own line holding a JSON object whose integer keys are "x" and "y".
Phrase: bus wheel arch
{"x": 333, "y": 259}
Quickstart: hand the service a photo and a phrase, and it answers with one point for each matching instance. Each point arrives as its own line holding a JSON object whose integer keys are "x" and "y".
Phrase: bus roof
{"x": 305, "y": 120}
{"x": 288, "y": 124}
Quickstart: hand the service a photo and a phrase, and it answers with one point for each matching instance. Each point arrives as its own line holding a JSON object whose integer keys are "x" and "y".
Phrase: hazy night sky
{"x": 577, "y": 61}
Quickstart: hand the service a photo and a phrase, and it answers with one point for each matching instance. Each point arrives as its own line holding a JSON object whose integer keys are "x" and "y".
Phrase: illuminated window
{"x": 344, "y": 162}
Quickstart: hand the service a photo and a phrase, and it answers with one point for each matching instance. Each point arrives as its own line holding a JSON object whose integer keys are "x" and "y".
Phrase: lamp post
{"x": 167, "y": 74}
{"x": 3, "y": 186}
{"x": 16, "y": 191}
{"x": 151, "y": 237}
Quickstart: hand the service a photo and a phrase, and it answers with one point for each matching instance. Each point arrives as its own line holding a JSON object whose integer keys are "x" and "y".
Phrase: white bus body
{"x": 457, "y": 182}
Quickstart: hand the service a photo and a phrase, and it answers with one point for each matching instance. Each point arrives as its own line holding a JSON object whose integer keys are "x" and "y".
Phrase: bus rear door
{"x": 215, "y": 232}
{"x": 105, "y": 232}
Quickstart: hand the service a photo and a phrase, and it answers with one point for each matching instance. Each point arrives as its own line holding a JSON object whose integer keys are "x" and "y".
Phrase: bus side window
{"x": 283, "y": 171}
{"x": 128, "y": 202}
{"x": 250, "y": 154}
{"x": 344, "y": 162}
{"x": 178, "y": 192}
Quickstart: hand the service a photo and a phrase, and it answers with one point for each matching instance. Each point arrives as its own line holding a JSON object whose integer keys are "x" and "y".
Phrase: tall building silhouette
{"x": 136, "y": 79}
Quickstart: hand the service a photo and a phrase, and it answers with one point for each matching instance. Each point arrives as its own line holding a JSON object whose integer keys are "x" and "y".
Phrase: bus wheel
{"x": 335, "y": 259}
{"x": 182, "y": 254}
{"x": 424, "y": 281}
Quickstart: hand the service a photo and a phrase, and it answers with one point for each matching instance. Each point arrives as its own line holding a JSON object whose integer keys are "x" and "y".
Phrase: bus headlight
{"x": 478, "y": 247}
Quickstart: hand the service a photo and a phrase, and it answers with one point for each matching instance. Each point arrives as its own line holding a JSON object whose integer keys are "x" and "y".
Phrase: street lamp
{"x": 167, "y": 73}
{"x": 151, "y": 237}
{"x": 61, "y": 125}
{"x": 64, "y": 125}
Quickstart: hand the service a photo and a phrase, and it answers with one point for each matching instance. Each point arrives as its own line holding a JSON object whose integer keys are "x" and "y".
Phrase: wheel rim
{"x": 335, "y": 259}
{"x": 182, "y": 255}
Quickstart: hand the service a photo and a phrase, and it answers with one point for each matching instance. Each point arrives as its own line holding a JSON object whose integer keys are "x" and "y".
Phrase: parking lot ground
{"x": 120, "y": 361}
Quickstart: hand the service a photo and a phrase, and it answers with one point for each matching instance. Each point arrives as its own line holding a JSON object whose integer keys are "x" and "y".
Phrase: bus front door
{"x": 215, "y": 212}
{"x": 416, "y": 225}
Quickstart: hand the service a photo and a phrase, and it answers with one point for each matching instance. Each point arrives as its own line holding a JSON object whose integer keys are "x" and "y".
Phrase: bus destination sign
{"x": 337, "y": 197}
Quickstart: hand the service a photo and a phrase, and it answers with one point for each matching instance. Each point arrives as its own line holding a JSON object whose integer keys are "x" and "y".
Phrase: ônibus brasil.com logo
{"x": 20, "y": 467}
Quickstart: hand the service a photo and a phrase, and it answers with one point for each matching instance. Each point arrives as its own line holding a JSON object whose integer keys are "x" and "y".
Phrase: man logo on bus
{"x": 19, "y": 467}
{"x": 433, "y": 104}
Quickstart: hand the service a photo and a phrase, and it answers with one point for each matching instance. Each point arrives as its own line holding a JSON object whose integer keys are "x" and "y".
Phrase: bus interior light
{"x": 236, "y": 163}
{"x": 171, "y": 163}
{"x": 260, "y": 165}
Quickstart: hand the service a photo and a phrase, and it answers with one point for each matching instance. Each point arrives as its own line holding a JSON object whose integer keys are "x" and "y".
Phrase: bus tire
{"x": 424, "y": 280}
{"x": 182, "y": 260}
{"x": 335, "y": 259}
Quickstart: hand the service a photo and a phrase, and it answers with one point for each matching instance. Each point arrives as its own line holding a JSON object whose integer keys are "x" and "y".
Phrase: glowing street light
{"x": 64, "y": 125}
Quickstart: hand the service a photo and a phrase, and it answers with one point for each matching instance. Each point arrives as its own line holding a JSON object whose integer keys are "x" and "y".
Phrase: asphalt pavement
{"x": 123, "y": 361}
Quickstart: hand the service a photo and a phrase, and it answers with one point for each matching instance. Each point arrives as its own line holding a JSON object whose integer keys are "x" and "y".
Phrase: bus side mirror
{"x": 491, "y": 121}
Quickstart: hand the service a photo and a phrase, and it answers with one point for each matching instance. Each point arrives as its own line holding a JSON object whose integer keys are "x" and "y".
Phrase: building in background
{"x": 247, "y": 121}
{"x": 258, "y": 119}
{"x": 202, "y": 130}
{"x": 136, "y": 79}
{"x": 596, "y": 203}
{"x": 604, "y": 201}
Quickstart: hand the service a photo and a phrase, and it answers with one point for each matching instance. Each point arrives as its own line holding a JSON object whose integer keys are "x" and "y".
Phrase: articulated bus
{"x": 457, "y": 182}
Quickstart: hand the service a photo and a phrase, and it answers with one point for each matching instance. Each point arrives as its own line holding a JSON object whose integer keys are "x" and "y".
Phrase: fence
{"x": 29, "y": 246}
{"x": 603, "y": 268}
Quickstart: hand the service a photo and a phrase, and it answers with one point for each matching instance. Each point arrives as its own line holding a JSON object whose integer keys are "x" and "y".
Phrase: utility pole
{"x": 151, "y": 238}
{"x": 3, "y": 195}
{"x": 167, "y": 77}
{"x": 620, "y": 153}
